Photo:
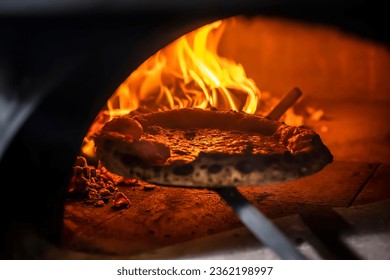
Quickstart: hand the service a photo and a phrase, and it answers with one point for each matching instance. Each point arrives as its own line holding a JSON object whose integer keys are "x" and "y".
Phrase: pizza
{"x": 192, "y": 147}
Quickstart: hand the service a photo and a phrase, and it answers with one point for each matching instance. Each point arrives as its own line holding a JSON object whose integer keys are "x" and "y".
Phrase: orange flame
{"x": 187, "y": 73}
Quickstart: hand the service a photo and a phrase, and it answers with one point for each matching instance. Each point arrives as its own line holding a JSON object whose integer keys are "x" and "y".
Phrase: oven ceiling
{"x": 367, "y": 18}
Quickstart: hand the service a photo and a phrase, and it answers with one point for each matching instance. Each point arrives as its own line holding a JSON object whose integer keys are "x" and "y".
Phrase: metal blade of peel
{"x": 260, "y": 226}
{"x": 252, "y": 218}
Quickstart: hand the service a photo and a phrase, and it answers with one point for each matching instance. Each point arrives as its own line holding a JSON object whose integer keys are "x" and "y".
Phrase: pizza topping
{"x": 186, "y": 145}
{"x": 124, "y": 127}
{"x": 150, "y": 151}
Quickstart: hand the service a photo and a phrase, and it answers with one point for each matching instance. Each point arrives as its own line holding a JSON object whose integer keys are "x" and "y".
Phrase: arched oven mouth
{"x": 60, "y": 64}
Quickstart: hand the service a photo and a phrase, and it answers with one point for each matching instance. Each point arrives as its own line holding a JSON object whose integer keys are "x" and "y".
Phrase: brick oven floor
{"x": 346, "y": 203}
{"x": 341, "y": 212}
{"x": 362, "y": 232}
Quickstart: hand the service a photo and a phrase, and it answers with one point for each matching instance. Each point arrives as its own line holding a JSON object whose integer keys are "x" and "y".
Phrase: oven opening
{"x": 335, "y": 84}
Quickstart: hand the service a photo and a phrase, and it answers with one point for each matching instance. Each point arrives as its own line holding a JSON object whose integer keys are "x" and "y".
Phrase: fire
{"x": 190, "y": 73}
{"x": 187, "y": 73}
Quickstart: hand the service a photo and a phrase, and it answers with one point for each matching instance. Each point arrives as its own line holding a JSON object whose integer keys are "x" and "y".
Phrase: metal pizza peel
{"x": 259, "y": 225}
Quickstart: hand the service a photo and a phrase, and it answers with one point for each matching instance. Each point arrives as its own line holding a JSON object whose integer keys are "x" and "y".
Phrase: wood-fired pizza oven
{"x": 59, "y": 64}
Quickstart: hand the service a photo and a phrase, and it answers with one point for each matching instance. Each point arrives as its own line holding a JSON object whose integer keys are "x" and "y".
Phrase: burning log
{"x": 284, "y": 104}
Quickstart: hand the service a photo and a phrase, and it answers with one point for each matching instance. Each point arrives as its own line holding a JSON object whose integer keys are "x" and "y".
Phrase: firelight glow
{"x": 187, "y": 73}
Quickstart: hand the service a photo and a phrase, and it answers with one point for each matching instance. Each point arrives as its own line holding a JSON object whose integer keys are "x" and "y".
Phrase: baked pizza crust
{"x": 207, "y": 148}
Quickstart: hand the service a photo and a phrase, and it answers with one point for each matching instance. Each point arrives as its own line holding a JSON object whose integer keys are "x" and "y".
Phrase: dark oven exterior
{"x": 59, "y": 63}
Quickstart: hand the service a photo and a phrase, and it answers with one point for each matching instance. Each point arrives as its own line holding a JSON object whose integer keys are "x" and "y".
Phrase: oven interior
{"x": 58, "y": 72}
